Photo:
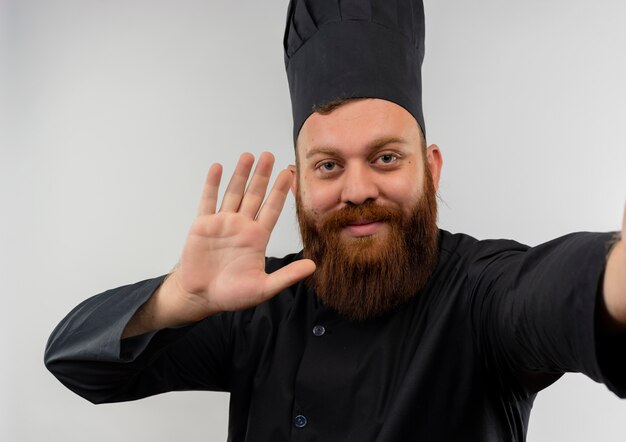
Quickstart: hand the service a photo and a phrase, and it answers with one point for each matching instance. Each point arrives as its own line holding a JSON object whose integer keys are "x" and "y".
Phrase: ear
{"x": 435, "y": 163}
{"x": 294, "y": 179}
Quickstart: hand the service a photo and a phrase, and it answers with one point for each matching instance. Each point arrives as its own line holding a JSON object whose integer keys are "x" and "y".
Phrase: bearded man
{"x": 384, "y": 328}
{"x": 377, "y": 236}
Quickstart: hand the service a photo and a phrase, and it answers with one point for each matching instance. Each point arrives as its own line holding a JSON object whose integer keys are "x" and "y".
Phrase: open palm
{"x": 223, "y": 261}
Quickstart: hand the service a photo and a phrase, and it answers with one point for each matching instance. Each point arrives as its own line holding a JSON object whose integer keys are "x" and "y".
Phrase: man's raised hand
{"x": 222, "y": 267}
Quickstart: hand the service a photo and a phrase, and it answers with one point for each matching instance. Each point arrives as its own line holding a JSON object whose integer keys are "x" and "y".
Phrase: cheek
{"x": 318, "y": 201}
{"x": 317, "y": 198}
{"x": 404, "y": 191}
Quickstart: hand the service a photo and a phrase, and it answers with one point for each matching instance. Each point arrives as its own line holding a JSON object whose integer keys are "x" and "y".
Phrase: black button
{"x": 300, "y": 421}
{"x": 319, "y": 330}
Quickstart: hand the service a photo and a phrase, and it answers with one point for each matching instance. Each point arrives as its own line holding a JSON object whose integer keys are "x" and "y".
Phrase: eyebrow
{"x": 372, "y": 146}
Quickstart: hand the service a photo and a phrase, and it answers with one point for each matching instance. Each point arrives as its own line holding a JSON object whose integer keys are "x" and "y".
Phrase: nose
{"x": 359, "y": 185}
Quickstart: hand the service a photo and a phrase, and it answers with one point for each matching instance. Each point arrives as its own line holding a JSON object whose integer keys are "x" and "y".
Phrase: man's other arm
{"x": 221, "y": 269}
{"x": 613, "y": 305}
{"x": 222, "y": 266}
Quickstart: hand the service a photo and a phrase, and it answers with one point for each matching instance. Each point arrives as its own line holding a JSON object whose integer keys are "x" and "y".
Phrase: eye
{"x": 327, "y": 166}
{"x": 387, "y": 158}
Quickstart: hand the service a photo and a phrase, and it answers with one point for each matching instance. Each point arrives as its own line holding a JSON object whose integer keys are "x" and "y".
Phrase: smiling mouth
{"x": 362, "y": 222}
{"x": 363, "y": 227}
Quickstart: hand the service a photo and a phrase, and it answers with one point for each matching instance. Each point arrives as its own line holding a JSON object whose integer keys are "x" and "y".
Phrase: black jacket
{"x": 462, "y": 361}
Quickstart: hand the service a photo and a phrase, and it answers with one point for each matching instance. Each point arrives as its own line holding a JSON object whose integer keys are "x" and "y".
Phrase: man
{"x": 400, "y": 331}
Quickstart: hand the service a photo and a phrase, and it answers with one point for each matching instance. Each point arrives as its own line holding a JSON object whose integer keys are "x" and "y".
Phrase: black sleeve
{"x": 86, "y": 352}
{"x": 534, "y": 312}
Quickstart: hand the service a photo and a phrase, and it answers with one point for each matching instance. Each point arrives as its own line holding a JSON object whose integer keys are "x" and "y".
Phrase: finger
{"x": 237, "y": 184}
{"x": 287, "y": 276}
{"x": 273, "y": 206}
{"x": 208, "y": 200}
{"x": 253, "y": 198}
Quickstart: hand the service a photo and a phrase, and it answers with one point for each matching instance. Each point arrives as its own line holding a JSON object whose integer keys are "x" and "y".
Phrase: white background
{"x": 111, "y": 112}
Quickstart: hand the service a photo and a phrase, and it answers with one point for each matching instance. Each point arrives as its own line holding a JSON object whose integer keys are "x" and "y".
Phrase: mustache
{"x": 362, "y": 213}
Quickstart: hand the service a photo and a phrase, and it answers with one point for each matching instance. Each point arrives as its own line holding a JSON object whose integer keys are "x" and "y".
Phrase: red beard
{"x": 366, "y": 277}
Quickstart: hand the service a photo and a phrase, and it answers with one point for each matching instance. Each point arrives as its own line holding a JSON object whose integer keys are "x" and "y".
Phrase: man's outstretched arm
{"x": 614, "y": 286}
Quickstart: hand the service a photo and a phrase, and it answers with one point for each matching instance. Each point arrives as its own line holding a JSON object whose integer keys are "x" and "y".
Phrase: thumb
{"x": 287, "y": 276}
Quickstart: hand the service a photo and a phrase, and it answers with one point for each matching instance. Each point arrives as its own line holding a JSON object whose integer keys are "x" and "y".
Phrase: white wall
{"x": 115, "y": 109}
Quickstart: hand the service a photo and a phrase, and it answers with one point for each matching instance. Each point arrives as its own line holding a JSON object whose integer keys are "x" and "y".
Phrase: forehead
{"x": 357, "y": 124}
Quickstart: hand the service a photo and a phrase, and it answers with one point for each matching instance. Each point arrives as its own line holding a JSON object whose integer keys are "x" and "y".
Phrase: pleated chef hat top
{"x": 339, "y": 49}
